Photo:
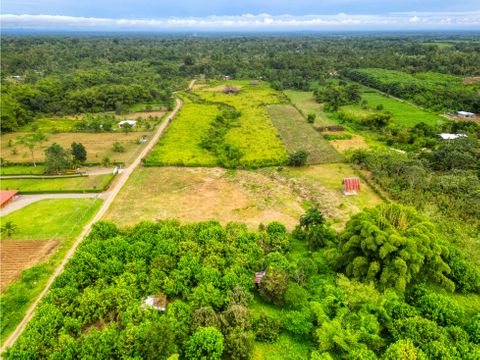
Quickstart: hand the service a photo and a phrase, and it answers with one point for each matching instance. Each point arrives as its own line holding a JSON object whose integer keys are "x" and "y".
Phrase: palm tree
{"x": 9, "y": 228}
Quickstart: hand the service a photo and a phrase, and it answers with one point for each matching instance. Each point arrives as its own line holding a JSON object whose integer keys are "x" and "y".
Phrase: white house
{"x": 132, "y": 123}
{"x": 465, "y": 114}
{"x": 446, "y": 136}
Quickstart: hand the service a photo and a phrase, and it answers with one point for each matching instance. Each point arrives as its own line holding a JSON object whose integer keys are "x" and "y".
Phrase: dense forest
{"x": 71, "y": 75}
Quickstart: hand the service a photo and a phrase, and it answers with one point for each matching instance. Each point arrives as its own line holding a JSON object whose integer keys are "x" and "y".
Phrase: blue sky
{"x": 241, "y": 15}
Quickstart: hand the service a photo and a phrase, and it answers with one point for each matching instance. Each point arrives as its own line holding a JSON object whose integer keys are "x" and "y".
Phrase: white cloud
{"x": 340, "y": 21}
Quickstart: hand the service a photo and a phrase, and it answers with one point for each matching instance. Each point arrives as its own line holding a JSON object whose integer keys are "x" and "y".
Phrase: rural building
{"x": 465, "y": 114}
{"x": 446, "y": 136}
{"x": 351, "y": 185}
{"x": 7, "y": 196}
{"x": 230, "y": 90}
{"x": 158, "y": 302}
{"x": 132, "y": 123}
{"x": 258, "y": 277}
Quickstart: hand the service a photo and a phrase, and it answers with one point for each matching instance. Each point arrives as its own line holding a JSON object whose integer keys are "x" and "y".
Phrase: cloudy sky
{"x": 241, "y": 15}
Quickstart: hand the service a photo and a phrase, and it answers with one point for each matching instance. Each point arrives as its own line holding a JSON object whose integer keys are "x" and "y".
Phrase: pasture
{"x": 298, "y": 134}
{"x": 99, "y": 146}
{"x": 22, "y": 170}
{"x": 306, "y": 103}
{"x": 252, "y": 197}
{"x": 93, "y": 183}
{"x": 403, "y": 113}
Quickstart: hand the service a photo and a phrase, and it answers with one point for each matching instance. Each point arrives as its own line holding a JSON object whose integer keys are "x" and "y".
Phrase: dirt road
{"x": 108, "y": 198}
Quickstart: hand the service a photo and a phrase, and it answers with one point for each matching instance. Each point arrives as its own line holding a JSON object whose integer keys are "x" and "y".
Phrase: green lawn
{"x": 297, "y": 133}
{"x": 180, "y": 143}
{"x": 74, "y": 184}
{"x": 143, "y": 107}
{"x": 306, "y": 103}
{"x": 52, "y": 219}
{"x": 403, "y": 113}
{"x": 22, "y": 170}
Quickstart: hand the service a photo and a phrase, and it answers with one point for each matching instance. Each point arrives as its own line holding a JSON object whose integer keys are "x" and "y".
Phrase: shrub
{"x": 311, "y": 118}
{"x": 205, "y": 343}
{"x": 118, "y": 147}
{"x": 298, "y": 158}
{"x": 266, "y": 327}
{"x": 273, "y": 286}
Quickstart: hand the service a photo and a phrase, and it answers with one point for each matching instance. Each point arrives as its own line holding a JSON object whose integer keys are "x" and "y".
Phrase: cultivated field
{"x": 17, "y": 255}
{"x": 251, "y": 197}
{"x": 355, "y": 143}
{"x": 298, "y": 134}
{"x": 180, "y": 145}
{"x": 98, "y": 146}
{"x": 91, "y": 183}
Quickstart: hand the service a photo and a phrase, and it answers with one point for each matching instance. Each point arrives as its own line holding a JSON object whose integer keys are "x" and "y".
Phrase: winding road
{"x": 108, "y": 197}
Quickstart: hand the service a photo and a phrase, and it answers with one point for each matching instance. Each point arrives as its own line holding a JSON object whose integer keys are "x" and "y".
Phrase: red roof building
{"x": 258, "y": 277}
{"x": 6, "y": 196}
{"x": 351, "y": 185}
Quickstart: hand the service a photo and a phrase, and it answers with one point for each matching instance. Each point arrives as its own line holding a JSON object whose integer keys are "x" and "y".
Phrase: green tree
{"x": 392, "y": 245}
{"x": 31, "y": 141}
{"x": 403, "y": 350}
{"x": 311, "y": 118}
{"x": 314, "y": 229}
{"x": 56, "y": 159}
{"x": 273, "y": 286}
{"x": 205, "y": 344}
{"x": 79, "y": 152}
{"x": 9, "y": 228}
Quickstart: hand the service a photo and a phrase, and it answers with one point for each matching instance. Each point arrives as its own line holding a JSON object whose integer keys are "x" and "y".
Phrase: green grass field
{"x": 180, "y": 143}
{"x": 256, "y": 137}
{"x": 48, "y": 125}
{"x": 403, "y": 113}
{"x": 51, "y": 219}
{"x": 146, "y": 107}
{"x": 22, "y": 170}
{"x": 306, "y": 103}
{"x": 297, "y": 134}
{"x": 74, "y": 184}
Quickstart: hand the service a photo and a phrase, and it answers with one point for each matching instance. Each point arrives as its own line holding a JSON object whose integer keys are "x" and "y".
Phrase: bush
{"x": 118, "y": 147}
{"x": 311, "y": 118}
{"x": 266, "y": 328}
{"x": 205, "y": 343}
{"x": 273, "y": 286}
{"x": 298, "y": 158}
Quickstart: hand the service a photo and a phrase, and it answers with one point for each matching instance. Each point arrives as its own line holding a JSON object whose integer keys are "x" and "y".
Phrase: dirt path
{"x": 108, "y": 199}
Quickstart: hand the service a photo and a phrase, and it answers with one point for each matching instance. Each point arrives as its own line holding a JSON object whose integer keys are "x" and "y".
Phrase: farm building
{"x": 351, "y": 185}
{"x": 230, "y": 90}
{"x": 7, "y": 196}
{"x": 445, "y": 136}
{"x": 158, "y": 302}
{"x": 132, "y": 123}
{"x": 258, "y": 277}
{"x": 465, "y": 114}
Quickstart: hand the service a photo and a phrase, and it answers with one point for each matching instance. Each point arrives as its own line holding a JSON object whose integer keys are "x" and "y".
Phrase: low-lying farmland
{"x": 298, "y": 134}
{"x": 98, "y": 145}
{"x": 91, "y": 183}
{"x": 305, "y": 102}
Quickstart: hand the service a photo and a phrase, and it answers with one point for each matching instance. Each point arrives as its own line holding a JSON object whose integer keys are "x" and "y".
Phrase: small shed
{"x": 132, "y": 123}
{"x": 7, "y": 196}
{"x": 351, "y": 186}
{"x": 465, "y": 114}
{"x": 446, "y": 136}
{"x": 230, "y": 90}
{"x": 258, "y": 277}
{"x": 158, "y": 302}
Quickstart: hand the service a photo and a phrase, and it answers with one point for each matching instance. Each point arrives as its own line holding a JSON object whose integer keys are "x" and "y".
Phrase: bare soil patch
{"x": 355, "y": 143}
{"x": 18, "y": 255}
{"x": 142, "y": 114}
{"x": 471, "y": 80}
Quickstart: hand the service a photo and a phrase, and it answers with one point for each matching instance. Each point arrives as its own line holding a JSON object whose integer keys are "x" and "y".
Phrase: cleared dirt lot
{"x": 98, "y": 146}
{"x": 251, "y": 197}
{"x": 18, "y": 255}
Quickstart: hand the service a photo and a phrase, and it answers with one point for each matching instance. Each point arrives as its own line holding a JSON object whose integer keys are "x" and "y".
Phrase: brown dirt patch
{"x": 220, "y": 88}
{"x": 18, "y": 255}
{"x": 471, "y": 80}
{"x": 356, "y": 142}
{"x": 142, "y": 114}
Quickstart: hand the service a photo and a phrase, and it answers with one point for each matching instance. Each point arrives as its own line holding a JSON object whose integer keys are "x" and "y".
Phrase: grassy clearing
{"x": 403, "y": 113}
{"x": 251, "y": 197}
{"x": 98, "y": 146}
{"x": 50, "y": 219}
{"x": 74, "y": 184}
{"x": 199, "y": 194}
{"x": 140, "y": 107}
{"x": 297, "y": 133}
{"x": 61, "y": 219}
{"x": 255, "y": 135}
{"x": 306, "y": 103}
{"x": 22, "y": 170}
{"x": 48, "y": 125}
{"x": 180, "y": 144}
